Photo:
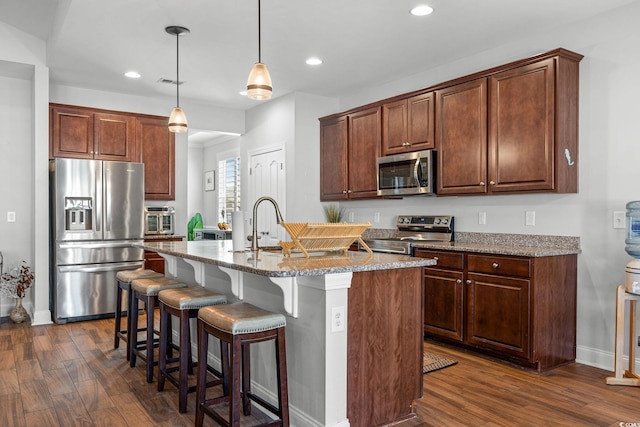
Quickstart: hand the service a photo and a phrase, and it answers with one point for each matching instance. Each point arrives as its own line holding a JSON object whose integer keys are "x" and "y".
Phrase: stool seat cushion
{"x": 127, "y": 276}
{"x": 151, "y": 287}
{"x": 241, "y": 318}
{"x": 191, "y": 297}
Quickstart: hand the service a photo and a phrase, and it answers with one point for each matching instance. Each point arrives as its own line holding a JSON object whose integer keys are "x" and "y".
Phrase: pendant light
{"x": 259, "y": 81}
{"x": 177, "y": 120}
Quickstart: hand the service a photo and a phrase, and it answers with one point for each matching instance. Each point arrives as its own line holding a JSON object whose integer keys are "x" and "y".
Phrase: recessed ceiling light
{"x": 132, "y": 74}
{"x": 422, "y": 10}
{"x": 313, "y": 61}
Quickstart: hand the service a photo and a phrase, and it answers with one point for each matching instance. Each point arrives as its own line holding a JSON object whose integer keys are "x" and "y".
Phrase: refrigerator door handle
{"x": 107, "y": 198}
{"x": 98, "y": 214}
{"x": 98, "y": 245}
{"x": 95, "y": 268}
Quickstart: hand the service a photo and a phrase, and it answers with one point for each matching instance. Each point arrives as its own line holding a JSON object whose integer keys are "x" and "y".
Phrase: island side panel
{"x": 384, "y": 350}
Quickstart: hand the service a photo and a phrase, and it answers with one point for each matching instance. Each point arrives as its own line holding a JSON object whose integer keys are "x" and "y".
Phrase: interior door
{"x": 266, "y": 176}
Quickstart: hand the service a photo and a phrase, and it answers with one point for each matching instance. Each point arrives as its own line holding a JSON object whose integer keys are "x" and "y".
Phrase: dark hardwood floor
{"x": 70, "y": 375}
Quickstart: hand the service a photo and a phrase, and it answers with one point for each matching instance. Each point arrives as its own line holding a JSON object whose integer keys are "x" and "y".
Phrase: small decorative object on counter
{"x": 333, "y": 213}
{"x": 14, "y": 284}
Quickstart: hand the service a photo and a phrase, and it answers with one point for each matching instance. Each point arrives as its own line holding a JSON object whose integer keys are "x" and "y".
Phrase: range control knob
{"x": 445, "y": 221}
{"x": 436, "y": 221}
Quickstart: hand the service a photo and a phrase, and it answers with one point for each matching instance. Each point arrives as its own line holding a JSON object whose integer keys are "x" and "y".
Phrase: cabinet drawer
{"x": 507, "y": 266}
{"x": 453, "y": 260}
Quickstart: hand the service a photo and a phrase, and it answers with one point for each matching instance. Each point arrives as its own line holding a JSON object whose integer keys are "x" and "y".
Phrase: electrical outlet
{"x": 482, "y": 218}
{"x": 11, "y": 217}
{"x": 376, "y": 217}
{"x": 530, "y": 218}
{"x": 619, "y": 219}
{"x": 351, "y": 216}
{"x": 337, "y": 319}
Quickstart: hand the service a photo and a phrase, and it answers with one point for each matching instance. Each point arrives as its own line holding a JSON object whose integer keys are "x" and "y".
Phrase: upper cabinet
{"x": 89, "y": 133}
{"x": 408, "y": 124}
{"x": 461, "y": 138}
{"x": 157, "y": 152}
{"x": 82, "y": 133}
{"x": 510, "y": 129}
{"x": 513, "y": 131}
{"x": 349, "y": 148}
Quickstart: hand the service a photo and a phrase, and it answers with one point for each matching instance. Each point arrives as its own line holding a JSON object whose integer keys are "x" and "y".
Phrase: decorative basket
{"x": 325, "y": 237}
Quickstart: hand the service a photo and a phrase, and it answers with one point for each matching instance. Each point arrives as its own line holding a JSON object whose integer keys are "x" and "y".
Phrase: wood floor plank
{"x": 94, "y": 396}
{"x": 29, "y": 370}
{"x": 45, "y": 417}
{"x": 71, "y": 411}
{"x": 11, "y": 410}
{"x": 109, "y": 417}
{"x": 9, "y": 382}
{"x": 59, "y": 382}
{"x": 35, "y": 396}
{"x": 7, "y": 360}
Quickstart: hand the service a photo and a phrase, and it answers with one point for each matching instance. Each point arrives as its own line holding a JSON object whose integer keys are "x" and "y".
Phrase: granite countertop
{"x": 163, "y": 236}
{"x": 274, "y": 264}
{"x": 530, "y": 245}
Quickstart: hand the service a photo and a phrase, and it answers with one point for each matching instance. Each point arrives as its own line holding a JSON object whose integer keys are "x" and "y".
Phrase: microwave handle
{"x": 417, "y": 168}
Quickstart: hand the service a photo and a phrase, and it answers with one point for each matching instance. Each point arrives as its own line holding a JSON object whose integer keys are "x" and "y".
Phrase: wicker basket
{"x": 309, "y": 237}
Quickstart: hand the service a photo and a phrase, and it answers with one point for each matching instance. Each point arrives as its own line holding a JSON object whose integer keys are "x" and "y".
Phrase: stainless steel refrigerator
{"x": 97, "y": 213}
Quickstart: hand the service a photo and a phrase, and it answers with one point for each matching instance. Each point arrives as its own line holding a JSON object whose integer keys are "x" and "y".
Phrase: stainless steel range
{"x": 411, "y": 229}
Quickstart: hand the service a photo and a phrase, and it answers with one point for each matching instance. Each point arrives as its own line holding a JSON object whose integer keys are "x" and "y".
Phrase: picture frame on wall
{"x": 210, "y": 181}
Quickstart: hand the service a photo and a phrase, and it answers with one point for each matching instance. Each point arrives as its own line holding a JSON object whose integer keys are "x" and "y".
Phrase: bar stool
{"x": 237, "y": 326}
{"x": 183, "y": 303}
{"x": 146, "y": 290}
{"x": 124, "y": 279}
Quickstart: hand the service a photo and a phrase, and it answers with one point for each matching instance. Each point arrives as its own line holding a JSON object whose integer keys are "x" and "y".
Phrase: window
{"x": 229, "y": 188}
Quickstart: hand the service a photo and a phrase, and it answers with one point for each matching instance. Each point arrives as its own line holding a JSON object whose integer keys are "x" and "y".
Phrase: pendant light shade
{"x": 259, "y": 82}
{"x": 177, "y": 120}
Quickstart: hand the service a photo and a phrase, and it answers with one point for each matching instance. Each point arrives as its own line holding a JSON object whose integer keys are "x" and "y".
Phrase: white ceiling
{"x": 90, "y": 43}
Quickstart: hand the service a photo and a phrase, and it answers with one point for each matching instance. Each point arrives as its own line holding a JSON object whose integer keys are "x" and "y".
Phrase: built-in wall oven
{"x": 159, "y": 220}
{"x": 413, "y": 229}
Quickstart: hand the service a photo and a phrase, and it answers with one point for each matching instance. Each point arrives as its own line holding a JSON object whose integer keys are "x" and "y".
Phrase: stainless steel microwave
{"x": 406, "y": 174}
{"x": 159, "y": 220}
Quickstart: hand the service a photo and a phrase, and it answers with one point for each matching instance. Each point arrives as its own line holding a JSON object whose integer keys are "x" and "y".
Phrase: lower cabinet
{"x": 152, "y": 260}
{"x": 520, "y": 309}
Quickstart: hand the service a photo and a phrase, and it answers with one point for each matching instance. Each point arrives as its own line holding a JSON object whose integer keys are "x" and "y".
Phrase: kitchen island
{"x": 354, "y": 325}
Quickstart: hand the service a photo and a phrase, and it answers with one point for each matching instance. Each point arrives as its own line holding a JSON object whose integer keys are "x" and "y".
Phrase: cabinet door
{"x": 364, "y": 149}
{"x": 498, "y": 314}
{"x": 521, "y": 132}
{"x": 71, "y": 133}
{"x": 333, "y": 159}
{"x": 461, "y": 138}
{"x": 443, "y": 303}
{"x": 114, "y": 137}
{"x": 408, "y": 124}
{"x": 157, "y": 152}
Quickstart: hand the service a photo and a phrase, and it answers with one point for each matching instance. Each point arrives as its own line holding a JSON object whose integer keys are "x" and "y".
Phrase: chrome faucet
{"x": 254, "y": 234}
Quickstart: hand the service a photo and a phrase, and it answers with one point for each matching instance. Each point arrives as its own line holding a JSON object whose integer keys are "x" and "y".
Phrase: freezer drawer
{"x": 83, "y": 292}
{"x": 73, "y": 253}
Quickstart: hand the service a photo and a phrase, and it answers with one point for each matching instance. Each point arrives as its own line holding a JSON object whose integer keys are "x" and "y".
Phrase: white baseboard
{"x": 598, "y": 358}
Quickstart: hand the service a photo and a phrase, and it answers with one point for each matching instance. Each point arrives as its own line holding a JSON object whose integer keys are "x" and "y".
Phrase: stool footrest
{"x": 260, "y": 401}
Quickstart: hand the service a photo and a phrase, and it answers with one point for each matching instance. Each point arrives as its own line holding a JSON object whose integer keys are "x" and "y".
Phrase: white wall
{"x": 609, "y": 153}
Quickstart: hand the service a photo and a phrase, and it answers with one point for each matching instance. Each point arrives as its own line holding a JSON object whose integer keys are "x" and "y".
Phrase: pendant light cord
{"x": 177, "y": 70}
{"x": 259, "y": 32}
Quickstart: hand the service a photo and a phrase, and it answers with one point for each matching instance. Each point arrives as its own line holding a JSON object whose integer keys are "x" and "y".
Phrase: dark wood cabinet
{"x": 153, "y": 260}
{"x": 520, "y": 309}
{"x": 83, "y": 133}
{"x": 513, "y": 131}
{"x": 461, "y": 138}
{"x": 349, "y": 148}
{"x": 157, "y": 152}
{"x": 90, "y": 133}
{"x": 408, "y": 124}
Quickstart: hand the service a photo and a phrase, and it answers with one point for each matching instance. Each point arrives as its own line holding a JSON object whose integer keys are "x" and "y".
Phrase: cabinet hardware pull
{"x": 492, "y": 182}
{"x": 459, "y": 281}
{"x": 348, "y": 191}
{"x": 436, "y": 258}
{"x": 468, "y": 281}
{"x": 495, "y": 265}
{"x": 406, "y": 144}
{"x": 567, "y": 155}
{"x": 344, "y": 191}
{"x": 482, "y": 183}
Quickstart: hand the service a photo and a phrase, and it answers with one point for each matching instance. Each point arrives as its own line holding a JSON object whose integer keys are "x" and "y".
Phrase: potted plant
{"x": 333, "y": 213}
{"x": 14, "y": 284}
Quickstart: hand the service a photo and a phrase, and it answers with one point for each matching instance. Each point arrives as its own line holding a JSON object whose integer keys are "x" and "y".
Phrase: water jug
{"x": 633, "y": 229}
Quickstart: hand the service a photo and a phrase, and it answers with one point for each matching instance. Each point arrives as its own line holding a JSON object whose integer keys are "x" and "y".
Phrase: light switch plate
{"x": 11, "y": 217}
{"x": 530, "y": 218}
{"x": 619, "y": 219}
